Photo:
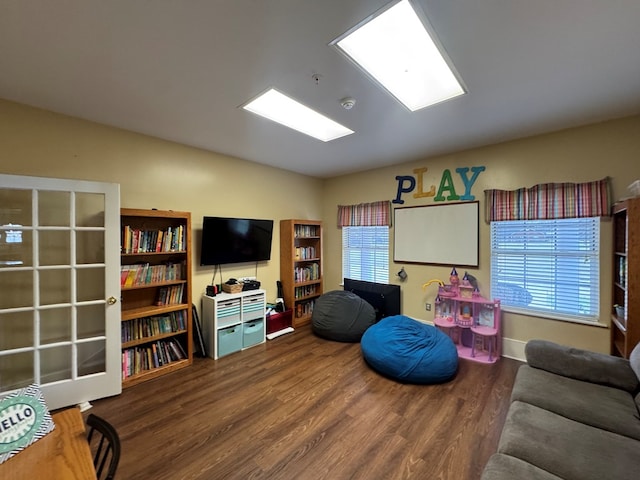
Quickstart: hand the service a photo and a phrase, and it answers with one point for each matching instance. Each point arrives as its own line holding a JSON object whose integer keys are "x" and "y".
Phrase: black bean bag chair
{"x": 341, "y": 316}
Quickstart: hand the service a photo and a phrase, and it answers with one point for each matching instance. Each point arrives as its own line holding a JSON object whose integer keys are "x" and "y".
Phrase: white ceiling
{"x": 179, "y": 70}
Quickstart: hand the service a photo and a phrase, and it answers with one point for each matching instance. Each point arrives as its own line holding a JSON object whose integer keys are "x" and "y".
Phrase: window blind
{"x": 547, "y": 267}
{"x": 365, "y": 253}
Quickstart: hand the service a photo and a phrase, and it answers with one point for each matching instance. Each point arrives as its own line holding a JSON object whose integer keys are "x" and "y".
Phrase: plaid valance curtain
{"x": 375, "y": 214}
{"x": 549, "y": 201}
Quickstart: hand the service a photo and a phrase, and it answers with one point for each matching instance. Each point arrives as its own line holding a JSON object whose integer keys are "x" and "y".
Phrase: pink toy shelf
{"x": 472, "y": 322}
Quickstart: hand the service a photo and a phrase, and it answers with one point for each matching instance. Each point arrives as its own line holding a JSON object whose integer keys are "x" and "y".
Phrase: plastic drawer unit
{"x": 253, "y": 307}
{"x": 228, "y": 312}
{"x": 229, "y": 340}
{"x": 253, "y": 333}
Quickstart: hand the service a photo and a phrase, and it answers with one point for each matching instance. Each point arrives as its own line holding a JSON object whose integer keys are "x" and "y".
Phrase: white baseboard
{"x": 513, "y": 349}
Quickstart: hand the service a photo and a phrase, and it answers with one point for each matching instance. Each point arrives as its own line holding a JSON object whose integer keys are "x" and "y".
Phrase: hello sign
{"x": 24, "y": 419}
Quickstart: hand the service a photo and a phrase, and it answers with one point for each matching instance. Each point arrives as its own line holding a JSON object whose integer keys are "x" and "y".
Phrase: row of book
{"x": 305, "y": 253}
{"x": 135, "y": 240}
{"x": 305, "y": 291}
{"x": 150, "y": 326}
{"x": 304, "y": 309}
{"x": 302, "y": 231}
{"x": 622, "y": 271}
{"x": 171, "y": 295}
{"x": 307, "y": 273}
{"x": 154, "y": 355}
{"x": 146, "y": 274}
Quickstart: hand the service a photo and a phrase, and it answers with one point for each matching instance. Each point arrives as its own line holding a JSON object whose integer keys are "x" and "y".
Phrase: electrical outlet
{"x": 428, "y": 307}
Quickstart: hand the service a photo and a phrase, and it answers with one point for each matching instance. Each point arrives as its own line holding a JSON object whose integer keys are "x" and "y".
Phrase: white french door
{"x": 59, "y": 288}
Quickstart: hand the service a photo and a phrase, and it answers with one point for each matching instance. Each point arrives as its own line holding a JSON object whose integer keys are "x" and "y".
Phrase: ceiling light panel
{"x": 397, "y": 50}
{"x": 282, "y": 109}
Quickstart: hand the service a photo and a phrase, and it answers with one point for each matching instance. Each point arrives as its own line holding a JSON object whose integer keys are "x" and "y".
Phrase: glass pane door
{"x": 59, "y": 259}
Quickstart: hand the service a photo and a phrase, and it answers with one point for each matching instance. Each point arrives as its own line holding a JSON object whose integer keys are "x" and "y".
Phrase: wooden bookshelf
{"x": 625, "y": 324}
{"x": 301, "y": 266}
{"x": 155, "y": 287}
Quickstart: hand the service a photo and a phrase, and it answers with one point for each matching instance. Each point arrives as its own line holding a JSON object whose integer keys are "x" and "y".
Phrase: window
{"x": 365, "y": 253}
{"x": 547, "y": 268}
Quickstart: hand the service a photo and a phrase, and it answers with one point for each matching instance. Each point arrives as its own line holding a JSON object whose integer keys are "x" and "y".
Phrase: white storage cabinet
{"x": 233, "y": 321}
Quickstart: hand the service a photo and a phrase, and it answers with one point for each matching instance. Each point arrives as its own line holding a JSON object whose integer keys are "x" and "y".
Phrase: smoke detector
{"x": 348, "y": 103}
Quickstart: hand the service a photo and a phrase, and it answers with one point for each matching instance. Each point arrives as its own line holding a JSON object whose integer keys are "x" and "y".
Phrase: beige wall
{"x": 576, "y": 155}
{"x": 158, "y": 174}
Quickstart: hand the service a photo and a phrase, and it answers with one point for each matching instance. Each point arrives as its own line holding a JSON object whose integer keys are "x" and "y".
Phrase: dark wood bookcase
{"x": 625, "y": 320}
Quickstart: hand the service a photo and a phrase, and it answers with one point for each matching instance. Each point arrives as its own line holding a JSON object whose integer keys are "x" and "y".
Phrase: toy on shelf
{"x": 472, "y": 321}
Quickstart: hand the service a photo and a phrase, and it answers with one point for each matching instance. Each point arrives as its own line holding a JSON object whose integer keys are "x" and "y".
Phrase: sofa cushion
{"x": 580, "y": 364}
{"x": 505, "y": 467}
{"x": 603, "y": 407}
{"x": 566, "y": 448}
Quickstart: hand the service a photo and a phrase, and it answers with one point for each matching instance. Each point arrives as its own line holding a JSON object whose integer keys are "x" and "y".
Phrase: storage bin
{"x": 279, "y": 321}
{"x": 253, "y": 333}
{"x": 229, "y": 340}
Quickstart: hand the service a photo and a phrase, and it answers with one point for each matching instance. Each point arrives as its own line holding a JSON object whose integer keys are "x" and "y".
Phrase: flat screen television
{"x": 384, "y": 298}
{"x": 235, "y": 240}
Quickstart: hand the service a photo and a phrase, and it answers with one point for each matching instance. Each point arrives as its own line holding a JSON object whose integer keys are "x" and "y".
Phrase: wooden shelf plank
{"x": 151, "y": 310}
{"x": 155, "y": 372}
{"x": 142, "y": 341}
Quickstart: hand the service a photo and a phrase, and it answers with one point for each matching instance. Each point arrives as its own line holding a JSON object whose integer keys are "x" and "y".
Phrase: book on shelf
{"x": 307, "y": 273}
{"x": 177, "y": 350}
{"x": 135, "y": 240}
{"x": 145, "y": 274}
{"x": 140, "y": 328}
{"x": 171, "y": 295}
{"x": 302, "y": 231}
{"x": 154, "y": 355}
{"x": 305, "y": 253}
{"x": 305, "y": 308}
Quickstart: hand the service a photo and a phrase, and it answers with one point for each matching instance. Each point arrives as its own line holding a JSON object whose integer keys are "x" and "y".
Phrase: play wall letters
{"x": 446, "y": 189}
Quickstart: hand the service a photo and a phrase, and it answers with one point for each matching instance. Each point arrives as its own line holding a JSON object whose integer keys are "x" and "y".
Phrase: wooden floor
{"x": 299, "y": 407}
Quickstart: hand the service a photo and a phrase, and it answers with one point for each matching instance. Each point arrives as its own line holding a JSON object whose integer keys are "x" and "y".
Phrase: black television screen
{"x": 235, "y": 240}
{"x": 384, "y": 298}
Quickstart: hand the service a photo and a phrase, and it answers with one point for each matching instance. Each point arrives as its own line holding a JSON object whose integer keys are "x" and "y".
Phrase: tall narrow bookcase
{"x": 625, "y": 321}
{"x": 155, "y": 283}
{"x": 301, "y": 266}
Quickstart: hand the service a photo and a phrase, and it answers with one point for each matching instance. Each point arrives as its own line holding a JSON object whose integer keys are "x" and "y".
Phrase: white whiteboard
{"x": 438, "y": 234}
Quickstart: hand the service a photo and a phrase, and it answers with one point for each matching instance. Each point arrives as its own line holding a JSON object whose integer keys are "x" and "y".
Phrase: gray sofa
{"x": 574, "y": 415}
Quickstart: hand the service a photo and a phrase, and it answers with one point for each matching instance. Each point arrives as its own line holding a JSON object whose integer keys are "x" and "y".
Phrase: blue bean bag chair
{"x": 409, "y": 351}
{"x": 341, "y": 316}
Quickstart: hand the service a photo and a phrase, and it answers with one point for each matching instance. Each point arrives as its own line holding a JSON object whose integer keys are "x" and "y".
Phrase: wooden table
{"x": 62, "y": 454}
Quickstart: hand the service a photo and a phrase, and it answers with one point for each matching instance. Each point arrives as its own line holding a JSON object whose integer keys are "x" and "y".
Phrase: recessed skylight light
{"x": 396, "y": 49}
{"x": 286, "y": 111}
